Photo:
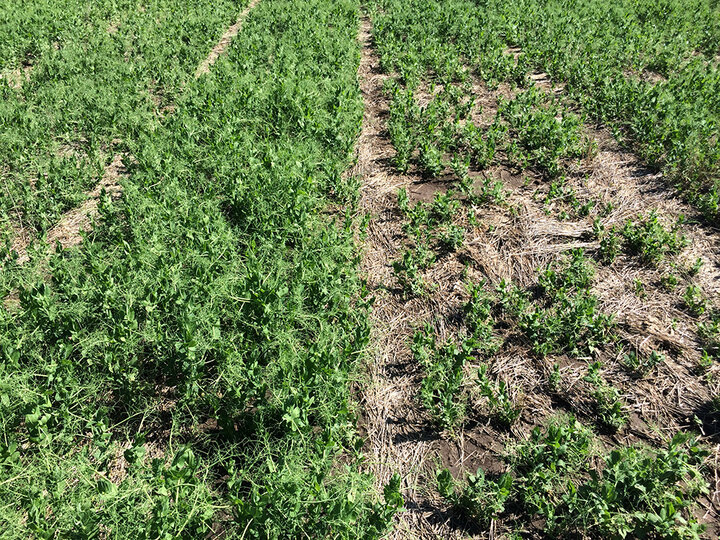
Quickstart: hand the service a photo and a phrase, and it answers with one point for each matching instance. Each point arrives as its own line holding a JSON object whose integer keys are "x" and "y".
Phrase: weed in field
{"x": 104, "y": 89}
{"x": 501, "y": 407}
{"x": 641, "y": 364}
{"x": 648, "y": 239}
{"x": 695, "y": 300}
{"x": 479, "y": 319}
{"x": 215, "y": 306}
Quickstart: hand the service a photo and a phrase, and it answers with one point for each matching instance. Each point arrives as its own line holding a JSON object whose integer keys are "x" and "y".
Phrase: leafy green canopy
{"x": 648, "y": 69}
{"x": 98, "y": 73}
{"x": 191, "y": 361}
{"x": 556, "y": 478}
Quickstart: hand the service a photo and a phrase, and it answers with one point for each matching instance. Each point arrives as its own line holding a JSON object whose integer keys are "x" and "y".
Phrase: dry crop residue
{"x": 512, "y": 242}
{"x": 17, "y": 77}
{"x": 398, "y": 437}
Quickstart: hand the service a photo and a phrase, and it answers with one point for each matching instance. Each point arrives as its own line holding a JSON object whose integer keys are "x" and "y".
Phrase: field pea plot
{"x": 186, "y": 370}
{"x": 545, "y": 326}
{"x": 67, "y": 230}
{"x": 408, "y": 269}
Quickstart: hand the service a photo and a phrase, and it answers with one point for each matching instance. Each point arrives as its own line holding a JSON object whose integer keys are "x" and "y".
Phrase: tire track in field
{"x": 225, "y": 40}
{"x": 392, "y": 423}
{"x": 15, "y": 78}
{"x": 67, "y": 231}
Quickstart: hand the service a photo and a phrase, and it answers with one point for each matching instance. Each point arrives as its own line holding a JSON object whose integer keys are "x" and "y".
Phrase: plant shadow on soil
{"x": 708, "y": 415}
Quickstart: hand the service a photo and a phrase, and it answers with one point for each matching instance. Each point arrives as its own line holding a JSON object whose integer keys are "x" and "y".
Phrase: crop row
{"x": 648, "y": 70}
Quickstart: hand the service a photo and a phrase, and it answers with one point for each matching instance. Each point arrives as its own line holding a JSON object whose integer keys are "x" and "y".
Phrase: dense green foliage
{"x": 99, "y": 73}
{"x": 187, "y": 367}
{"x": 187, "y": 371}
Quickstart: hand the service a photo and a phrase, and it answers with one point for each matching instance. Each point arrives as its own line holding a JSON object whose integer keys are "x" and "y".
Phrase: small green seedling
{"x": 479, "y": 498}
{"x": 608, "y": 404}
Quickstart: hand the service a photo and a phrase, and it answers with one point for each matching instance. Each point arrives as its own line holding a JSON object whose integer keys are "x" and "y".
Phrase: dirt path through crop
{"x": 398, "y": 439}
{"x": 69, "y": 228}
{"x": 225, "y": 40}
